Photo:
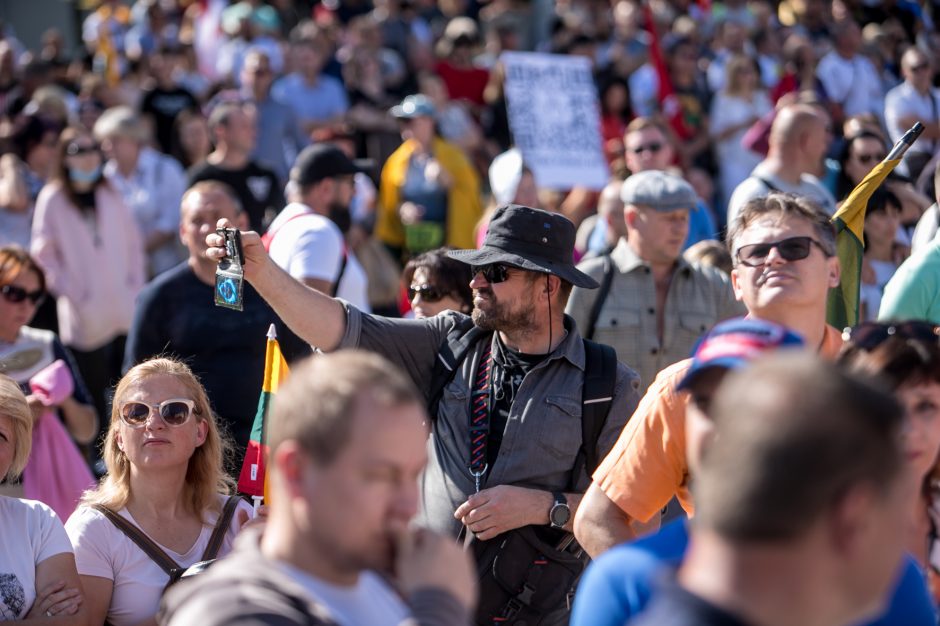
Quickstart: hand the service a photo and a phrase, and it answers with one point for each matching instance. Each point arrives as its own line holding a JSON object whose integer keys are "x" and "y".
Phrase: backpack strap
{"x": 460, "y": 339}
{"x": 221, "y": 528}
{"x": 145, "y": 543}
{"x": 597, "y": 396}
{"x": 600, "y": 298}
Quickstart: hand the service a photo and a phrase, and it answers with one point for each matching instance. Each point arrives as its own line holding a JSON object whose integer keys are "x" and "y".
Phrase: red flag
{"x": 668, "y": 100}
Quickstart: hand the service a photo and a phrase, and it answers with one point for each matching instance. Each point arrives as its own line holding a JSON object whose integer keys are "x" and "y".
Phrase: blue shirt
{"x": 619, "y": 584}
{"x": 320, "y": 102}
{"x": 280, "y": 137}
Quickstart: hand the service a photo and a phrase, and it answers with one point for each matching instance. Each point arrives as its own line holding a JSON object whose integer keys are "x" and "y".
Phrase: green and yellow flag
{"x": 251, "y": 480}
{"x": 849, "y": 220}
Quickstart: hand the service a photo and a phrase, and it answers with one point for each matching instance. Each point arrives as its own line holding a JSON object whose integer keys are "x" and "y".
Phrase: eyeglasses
{"x": 869, "y": 335}
{"x": 650, "y": 147}
{"x": 865, "y": 159}
{"x": 791, "y": 249}
{"x": 493, "y": 273}
{"x": 428, "y": 293}
{"x": 75, "y": 149}
{"x": 173, "y": 412}
{"x": 18, "y": 294}
{"x": 920, "y": 67}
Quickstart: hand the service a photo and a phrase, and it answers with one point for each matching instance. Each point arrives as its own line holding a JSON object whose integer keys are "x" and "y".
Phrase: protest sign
{"x": 555, "y": 119}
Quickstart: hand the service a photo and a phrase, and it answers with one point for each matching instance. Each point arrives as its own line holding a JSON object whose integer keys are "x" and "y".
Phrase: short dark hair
{"x": 448, "y": 275}
{"x": 784, "y": 204}
{"x": 794, "y": 434}
{"x": 316, "y": 404}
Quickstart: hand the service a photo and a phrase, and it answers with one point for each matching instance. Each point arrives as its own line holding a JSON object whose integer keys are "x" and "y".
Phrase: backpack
{"x": 173, "y": 569}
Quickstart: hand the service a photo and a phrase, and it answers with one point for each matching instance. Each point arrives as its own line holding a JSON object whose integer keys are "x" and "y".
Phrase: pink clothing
{"x": 94, "y": 265}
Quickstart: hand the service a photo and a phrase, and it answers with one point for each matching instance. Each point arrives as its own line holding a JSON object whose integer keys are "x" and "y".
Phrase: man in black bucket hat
{"x": 508, "y": 393}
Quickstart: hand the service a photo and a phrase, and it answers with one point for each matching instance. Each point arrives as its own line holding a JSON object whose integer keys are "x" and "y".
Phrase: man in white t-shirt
{"x": 915, "y": 100}
{"x": 850, "y": 79}
{"x": 306, "y": 239}
{"x": 798, "y": 142}
{"x": 347, "y": 440}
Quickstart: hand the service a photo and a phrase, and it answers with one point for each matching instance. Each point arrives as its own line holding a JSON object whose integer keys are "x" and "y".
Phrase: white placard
{"x": 554, "y": 116}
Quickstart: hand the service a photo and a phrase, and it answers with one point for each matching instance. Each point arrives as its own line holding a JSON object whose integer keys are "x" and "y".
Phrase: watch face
{"x": 559, "y": 515}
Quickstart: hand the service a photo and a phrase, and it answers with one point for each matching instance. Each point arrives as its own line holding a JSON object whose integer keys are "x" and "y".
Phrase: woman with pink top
{"x": 88, "y": 244}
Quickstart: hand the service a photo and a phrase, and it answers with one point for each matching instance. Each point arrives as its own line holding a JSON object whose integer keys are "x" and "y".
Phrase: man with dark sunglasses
{"x": 506, "y": 437}
{"x": 915, "y": 100}
{"x": 783, "y": 248}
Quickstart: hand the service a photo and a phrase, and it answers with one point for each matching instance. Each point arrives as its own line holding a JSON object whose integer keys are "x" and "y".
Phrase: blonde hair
{"x": 13, "y": 405}
{"x": 205, "y": 476}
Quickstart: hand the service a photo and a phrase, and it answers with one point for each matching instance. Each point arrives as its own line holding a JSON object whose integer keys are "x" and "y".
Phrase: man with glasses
{"x": 915, "y": 100}
{"x": 798, "y": 143}
{"x": 523, "y": 375}
{"x": 656, "y": 305}
{"x": 647, "y": 148}
{"x": 307, "y": 239}
{"x": 783, "y": 248}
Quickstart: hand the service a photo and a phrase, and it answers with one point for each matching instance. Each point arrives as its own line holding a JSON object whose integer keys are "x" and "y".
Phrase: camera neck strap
{"x": 480, "y": 415}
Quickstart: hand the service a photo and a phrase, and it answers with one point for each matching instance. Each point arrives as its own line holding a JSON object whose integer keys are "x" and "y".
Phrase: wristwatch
{"x": 559, "y": 514}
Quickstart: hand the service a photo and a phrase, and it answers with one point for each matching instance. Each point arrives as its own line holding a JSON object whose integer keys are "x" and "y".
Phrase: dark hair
{"x": 66, "y": 138}
{"x": 844, "y": 185}
{"x": 450, "y": 276}
{"x": 897, "y": 360}
{"x": 610, "y": 82}
{"x": 795, "y": 435}
{"x": 28, "y": 132}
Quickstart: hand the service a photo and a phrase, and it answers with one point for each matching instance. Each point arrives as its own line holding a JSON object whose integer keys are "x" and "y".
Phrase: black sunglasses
{"x": 75, "y": 149}
{"x": 865, "y": 159}
{"x": 791, "y": 249}
{"x": 493, "y": 273}
{"x": 428, "y": 293}
{"x": 651, "y": 147}
{"x": 869, "y": 335}
{"x": 18, "y": 294}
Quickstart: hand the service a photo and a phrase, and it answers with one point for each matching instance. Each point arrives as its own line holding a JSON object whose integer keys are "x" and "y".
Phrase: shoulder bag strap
{"x": 460, "y": 339}
{"x": 597, "y": 396}
{"x": 480, "y": 406}
{"x": 600, "y": 298}
{"x": 766, "y": 183}
{"x": 221, "y": 528}
{"x": 145, "y": 543}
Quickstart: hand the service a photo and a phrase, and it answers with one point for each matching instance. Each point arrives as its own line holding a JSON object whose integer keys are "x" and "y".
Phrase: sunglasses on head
{"x": 791, "y": 249}
{"x": 650, "y": 147}
{"x": 869, "y": 335}
{"x": 493, "y": 273}
{"x": 75, "y": 149}
{"x": 428, "y": 293}
{"x": 18, "y": 294}
{"x": 174, "y": 412}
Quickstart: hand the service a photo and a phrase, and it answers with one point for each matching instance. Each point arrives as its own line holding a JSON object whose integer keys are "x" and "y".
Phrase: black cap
{"x": 531, "y": 239}
{"x": 319, "y": 161}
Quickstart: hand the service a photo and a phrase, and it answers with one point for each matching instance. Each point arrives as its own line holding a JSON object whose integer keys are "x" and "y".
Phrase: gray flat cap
{"x": 658, "y": 190}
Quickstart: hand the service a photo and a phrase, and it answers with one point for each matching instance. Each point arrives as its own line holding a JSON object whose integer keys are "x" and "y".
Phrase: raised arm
{"x": 316, "y": 318}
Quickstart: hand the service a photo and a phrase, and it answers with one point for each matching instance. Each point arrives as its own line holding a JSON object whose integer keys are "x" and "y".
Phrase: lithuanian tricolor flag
{"x": 849, "y": 220}
{"x": 251, "y": 480}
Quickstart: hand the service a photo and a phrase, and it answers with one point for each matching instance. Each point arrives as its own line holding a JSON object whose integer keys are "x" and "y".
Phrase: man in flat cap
{"x": 653, "y": 305}
{"x": 514, "y": 427}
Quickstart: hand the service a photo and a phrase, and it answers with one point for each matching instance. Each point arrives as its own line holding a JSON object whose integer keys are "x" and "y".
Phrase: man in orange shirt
{"x": 783, "y": 248}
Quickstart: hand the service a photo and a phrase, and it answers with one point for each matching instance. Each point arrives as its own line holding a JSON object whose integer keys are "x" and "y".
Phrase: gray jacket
{"x": 543, "y": 433}
{"x": 248, "y": 589}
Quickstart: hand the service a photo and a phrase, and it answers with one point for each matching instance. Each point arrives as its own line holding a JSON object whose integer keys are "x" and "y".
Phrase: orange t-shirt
{"x": 647, "y": 466}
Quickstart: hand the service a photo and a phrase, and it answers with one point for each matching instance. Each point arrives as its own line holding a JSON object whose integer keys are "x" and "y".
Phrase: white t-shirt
{"x": 30, "y": 533}
{"x": 103, "y": 550}
{"x": 370, "y": 602}
{"x": 853, "y": 83}
{"x": 904, "y": 101}
{"x": 312, "y": 247}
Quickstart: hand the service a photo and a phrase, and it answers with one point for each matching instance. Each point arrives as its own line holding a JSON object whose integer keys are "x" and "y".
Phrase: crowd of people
{"x": 546, "y": 405}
